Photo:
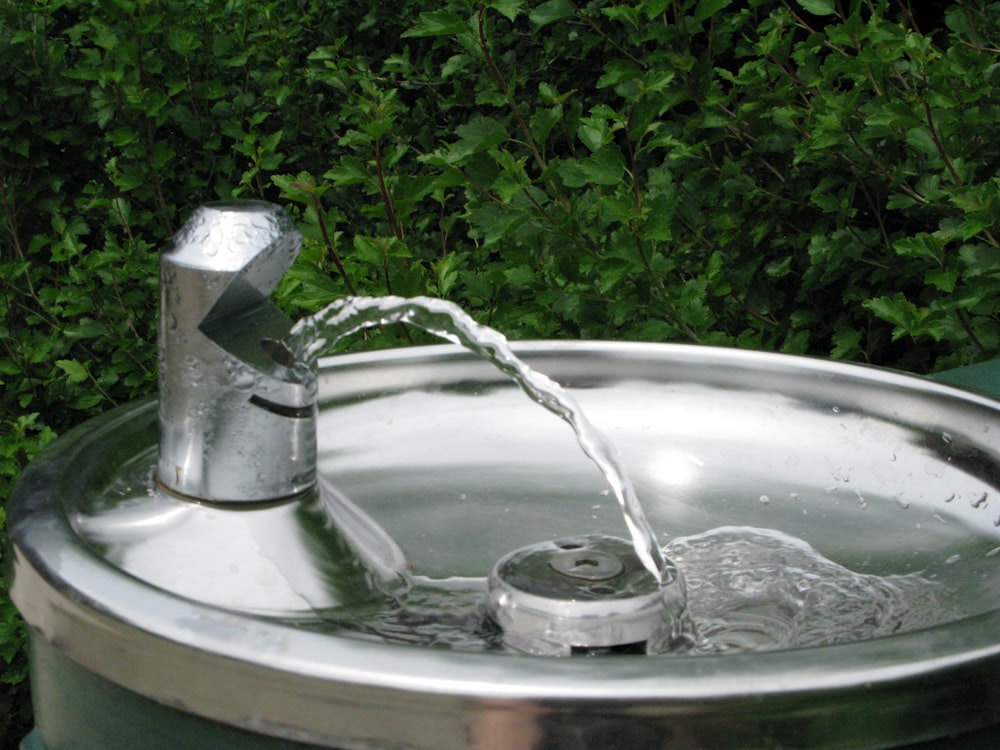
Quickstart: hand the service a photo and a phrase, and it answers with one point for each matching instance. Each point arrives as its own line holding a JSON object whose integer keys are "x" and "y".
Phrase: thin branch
{"x": 318, "y": 206}
{"x": 880, "y": 168}
{"x": 963, "y": 320}
{"x": 505, "y": 89}
{"x": 939, "y": 145}
{"x": 750, "y": 311}
{"x": 383, "y": 188}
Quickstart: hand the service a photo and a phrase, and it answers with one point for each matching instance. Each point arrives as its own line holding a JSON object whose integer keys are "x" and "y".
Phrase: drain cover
{"x": 585, "y": 595}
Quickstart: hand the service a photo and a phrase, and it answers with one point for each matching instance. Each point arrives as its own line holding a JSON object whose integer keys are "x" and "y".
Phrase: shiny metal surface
{"x": 585, "y": 595}
{"x": 881, "y": 472}
{"x": 225, "y": 404}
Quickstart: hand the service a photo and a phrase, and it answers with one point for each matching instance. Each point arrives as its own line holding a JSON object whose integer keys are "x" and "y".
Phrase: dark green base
{"x": 76, "y": 709}
{"x": 984, "y": 377}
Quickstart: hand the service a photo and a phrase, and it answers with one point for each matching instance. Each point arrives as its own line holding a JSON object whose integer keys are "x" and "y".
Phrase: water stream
{"x": 314, "y": 335}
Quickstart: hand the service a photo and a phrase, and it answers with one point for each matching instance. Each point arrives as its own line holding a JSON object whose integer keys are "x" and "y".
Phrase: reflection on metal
{"x": 235, "y": 425}
{"x": 585, "y": 595}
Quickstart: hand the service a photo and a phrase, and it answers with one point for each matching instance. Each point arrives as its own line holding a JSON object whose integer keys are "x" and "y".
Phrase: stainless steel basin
{"x": 253, "y": 616}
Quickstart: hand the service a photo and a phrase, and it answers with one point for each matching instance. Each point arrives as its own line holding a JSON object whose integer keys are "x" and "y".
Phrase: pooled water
{"x": 749, "y": 589}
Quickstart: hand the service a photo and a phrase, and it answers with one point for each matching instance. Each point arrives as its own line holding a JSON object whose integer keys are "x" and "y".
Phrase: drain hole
{"x": 586, "y": 562}
{"x": 569, "y": 545}
{"x": 637, "y": 649}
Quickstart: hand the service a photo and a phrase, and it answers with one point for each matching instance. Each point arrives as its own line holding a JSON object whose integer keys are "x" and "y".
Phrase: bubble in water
{"x": 842, "y": 475}
{"x": 765, "y": 500}
{"x": 240, "y": 377}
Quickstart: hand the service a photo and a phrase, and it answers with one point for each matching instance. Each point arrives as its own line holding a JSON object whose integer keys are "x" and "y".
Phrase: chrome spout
{"x": 236, "y": 425}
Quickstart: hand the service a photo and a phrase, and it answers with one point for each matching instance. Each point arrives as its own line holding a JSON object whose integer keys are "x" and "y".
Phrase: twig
{"x": 318, "y": 206}
{"x": 939, "y": 145}
{"x": 505, "y": 89}
{"x": 964, "y": 322}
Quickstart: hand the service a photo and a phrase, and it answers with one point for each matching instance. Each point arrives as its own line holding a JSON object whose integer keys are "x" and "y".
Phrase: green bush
{"x": 810, "y": 176}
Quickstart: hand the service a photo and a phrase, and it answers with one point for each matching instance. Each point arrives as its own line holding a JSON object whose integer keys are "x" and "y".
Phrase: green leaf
{"x": 455, "y": 64}
{"x": 508, "y": 8}
{"x": 846, "y": 343}
{"x": 944, "y": 280}
{"x": 923, "y": 245}
{"x": 437, "y": 23}
{"x": 446, "y": 273}
{"x": 551, "y": 12}
{"x": 818, "y": 7}
{"x": 908, "y": 318}
{"x": 76, "y": 372}
{"x": 625, "y": 14}
{"x": 921, "y": 140}
{"x": 619, "y": 71}
{"x": 899, "y": 201}
{"x": 708, "y": 8}
{"x": 478, "y": 135}
{"x": 593, "y": 138}
{"x": 606, "y": 166}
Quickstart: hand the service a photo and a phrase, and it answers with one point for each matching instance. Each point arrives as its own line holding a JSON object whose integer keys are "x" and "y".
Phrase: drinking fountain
{"x": 397, "y": 549}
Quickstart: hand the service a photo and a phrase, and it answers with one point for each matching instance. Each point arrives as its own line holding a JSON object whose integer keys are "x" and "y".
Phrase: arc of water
{"x": 312, "y": 336}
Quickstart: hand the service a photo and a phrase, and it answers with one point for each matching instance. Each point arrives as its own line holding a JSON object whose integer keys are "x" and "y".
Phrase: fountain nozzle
{"x": 237, "y": 424}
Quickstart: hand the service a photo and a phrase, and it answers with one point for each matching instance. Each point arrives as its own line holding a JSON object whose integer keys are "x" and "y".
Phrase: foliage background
{"x": 809, "y": 176}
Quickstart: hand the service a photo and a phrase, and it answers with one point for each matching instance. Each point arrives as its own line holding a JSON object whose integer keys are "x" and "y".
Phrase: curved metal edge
{"x": 352, "y": 693}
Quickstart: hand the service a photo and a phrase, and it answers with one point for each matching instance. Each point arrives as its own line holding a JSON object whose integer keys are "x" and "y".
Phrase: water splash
{"x": 313, "y": 336}
{"x": 759, "y": 589}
